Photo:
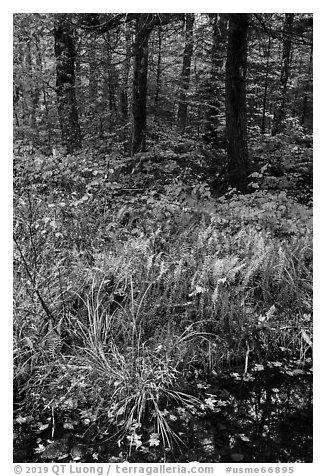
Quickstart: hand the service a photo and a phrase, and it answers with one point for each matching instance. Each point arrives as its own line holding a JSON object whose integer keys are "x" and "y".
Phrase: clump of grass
{"x": 137, "y": 380}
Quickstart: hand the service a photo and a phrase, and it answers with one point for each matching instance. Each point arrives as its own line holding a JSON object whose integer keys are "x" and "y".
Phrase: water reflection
{"x": 264, "y": 416}
{"x": 268, "y": 418}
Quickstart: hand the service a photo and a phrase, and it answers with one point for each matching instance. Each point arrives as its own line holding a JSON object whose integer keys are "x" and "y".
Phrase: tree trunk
{"x": 39, "y": 62}
{"x": 65, "y": 53}
{"x": 186, "y": 66}
{"x": 306, "y": 93}
{"x": 235, "y": 101}
{"x": 124, "y": 93}
{"x": 112, "y": 81}
{"x": 107, "y": 108}
{"x": 158, "y": 73}
{"x": 214, "y": 99}
{"x": 34, "y": 95}
{"x": 280, "y": 110}
{"x": 93, "y": 76}
{"x": 79, "y": 90}
{"x": 263, "y": 124}
{"x": 143, "y": 29}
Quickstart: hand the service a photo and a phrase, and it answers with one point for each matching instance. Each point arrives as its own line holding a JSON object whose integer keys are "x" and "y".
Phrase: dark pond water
{"x": 264, "y": 416}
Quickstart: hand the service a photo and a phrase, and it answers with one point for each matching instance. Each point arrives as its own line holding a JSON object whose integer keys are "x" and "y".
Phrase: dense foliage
{"x": 136, "y": 274}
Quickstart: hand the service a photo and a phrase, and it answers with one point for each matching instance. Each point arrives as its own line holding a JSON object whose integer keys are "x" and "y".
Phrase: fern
{"x": 52, "y": 341}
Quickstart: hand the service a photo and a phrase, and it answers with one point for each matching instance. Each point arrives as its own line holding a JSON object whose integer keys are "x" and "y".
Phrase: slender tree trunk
{"x": 39, "y": 62}
{"x": 108, "y": 101}
{"x": 81, "y": 101}
{"x": 125, "y": 74}
{"x": 18, "y": 95}
{"x": 219, "y": 36}
{"x": 158, "y": 72}
{"x": 263, "y": 124}
{"x": 186, "y": 67}
{"x": 93, "y": 76}
{"x": 34, "y": 95}
{"x": 20, "y": 99}
{"x": 65, "y": 53}
{"x": 124, "y": 93}
{"x": 306, "y": 93}
{"x": 143, "y": 30}
{"x": 113, "y": 80}
{"x": 280, "y": 110}
{"x": 235, "y": 101}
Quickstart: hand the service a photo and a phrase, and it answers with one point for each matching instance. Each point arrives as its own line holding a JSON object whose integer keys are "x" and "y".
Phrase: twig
{"x": 32, "y": 279}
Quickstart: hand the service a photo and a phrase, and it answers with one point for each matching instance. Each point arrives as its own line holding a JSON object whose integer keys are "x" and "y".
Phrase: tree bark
{"x": 65, "y": 53}
{"x": 186, "y": 68}
{"x": 214, "y": 99}
{"x": 34, "y": 94}
{"x": 280, "y": 110}
{"x": 158, "y": 72}
{"x": 306, "y": 93}
{"x": 108, "y": 102}
{"x": 235, "y": 101}
{"x": 124, "y": 93}
{"x": 39, "y": 62}
{"x": 79, "y": 90}
{"x": 93, "y": 76}
{"x": 144, "y": 26}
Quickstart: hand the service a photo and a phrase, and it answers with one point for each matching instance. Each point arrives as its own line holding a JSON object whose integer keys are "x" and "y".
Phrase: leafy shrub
{"x": 284, "y": 162}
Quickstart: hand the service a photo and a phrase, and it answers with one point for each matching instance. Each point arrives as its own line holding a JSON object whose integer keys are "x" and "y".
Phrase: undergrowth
{"x": 125, "y": 288}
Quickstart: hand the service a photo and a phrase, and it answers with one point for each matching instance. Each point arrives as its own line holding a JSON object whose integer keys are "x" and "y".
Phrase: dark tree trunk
{"x": 65, "y": 53}
{"x": 306, "y": 93}
{"x": 124, "y": 100}
{"x": 93, "y": 77}
{"x": 144, "y": 27}
{"x": 235, "y": 101}
{"x": 186, "y": 66}
{"x": 280, "y": 110}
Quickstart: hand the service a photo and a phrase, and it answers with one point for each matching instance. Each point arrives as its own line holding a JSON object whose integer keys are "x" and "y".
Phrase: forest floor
{"x": 264, "y": 416}
{"x": 155, "y": 320}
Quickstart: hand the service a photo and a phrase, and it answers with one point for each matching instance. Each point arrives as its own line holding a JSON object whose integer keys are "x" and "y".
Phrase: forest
{"x": 162, "y": 179}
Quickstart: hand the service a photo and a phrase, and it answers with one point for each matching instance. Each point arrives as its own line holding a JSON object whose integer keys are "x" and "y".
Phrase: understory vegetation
{"x": 133, "y": 279}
